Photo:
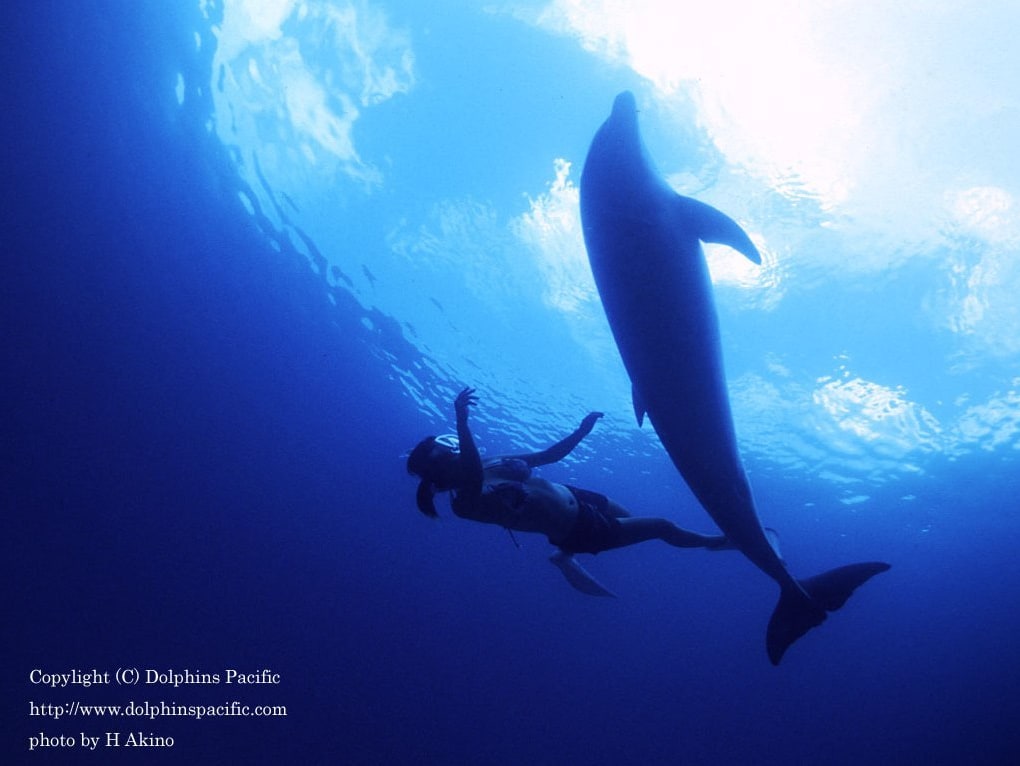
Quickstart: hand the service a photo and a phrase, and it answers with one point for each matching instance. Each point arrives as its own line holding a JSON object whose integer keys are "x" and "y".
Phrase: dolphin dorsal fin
{"x": 711, "y": 225}
{"x": 639, "y": 406}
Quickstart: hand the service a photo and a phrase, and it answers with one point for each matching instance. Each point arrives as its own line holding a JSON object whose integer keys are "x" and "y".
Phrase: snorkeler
{"x": 503, "y": 491}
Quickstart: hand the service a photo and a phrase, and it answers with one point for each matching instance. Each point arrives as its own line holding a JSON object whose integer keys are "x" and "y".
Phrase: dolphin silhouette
{"x": 644, "y": 246}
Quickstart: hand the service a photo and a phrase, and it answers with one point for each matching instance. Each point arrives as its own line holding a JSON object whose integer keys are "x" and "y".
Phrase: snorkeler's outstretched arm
{"x": 470, "y": 460}
{"x": 562, "y": 448}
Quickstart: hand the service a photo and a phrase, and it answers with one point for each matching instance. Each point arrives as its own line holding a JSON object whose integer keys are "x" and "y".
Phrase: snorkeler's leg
{"x": 638, "y": 530}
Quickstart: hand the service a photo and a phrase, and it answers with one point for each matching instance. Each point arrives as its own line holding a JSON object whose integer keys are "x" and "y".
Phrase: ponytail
{"x": 423, "y": 498}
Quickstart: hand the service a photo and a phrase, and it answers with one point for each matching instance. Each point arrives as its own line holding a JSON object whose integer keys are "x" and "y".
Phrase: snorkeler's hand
{"x": 465, "y": 399}
{"x": 589, "y": 422}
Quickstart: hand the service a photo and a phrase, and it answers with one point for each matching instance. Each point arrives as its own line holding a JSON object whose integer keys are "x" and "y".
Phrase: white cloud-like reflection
{"x": 881, "y": 417}
{"x": 551, "y": 229}
{"x": 849, "y": 139}
{"x": 845, "y": 429}
{"x": 291, "y": 79}
{"x": 895, "y": 121}
{"x": 851, "y": 99}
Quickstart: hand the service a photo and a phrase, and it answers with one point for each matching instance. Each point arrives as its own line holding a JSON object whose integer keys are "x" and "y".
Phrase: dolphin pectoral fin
{"x": 711, "y": 225}
{"x": 639, "y": 407}
{"x": 578, "y": 577}
{"x": 795, "y": 615}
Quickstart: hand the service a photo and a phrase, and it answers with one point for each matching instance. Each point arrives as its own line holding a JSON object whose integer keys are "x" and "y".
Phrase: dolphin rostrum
{"x": 644, "y": 245}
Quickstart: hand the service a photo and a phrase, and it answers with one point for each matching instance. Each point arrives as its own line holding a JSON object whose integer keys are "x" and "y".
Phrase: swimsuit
{"x": 596, "y": 529}
{"x": 507, "y": 469}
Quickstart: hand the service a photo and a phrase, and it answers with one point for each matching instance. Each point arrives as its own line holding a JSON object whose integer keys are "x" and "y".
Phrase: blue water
{"x": 219, "y": 346}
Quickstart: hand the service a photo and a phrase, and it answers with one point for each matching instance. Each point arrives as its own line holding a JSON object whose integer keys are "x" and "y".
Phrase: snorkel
{"x": 450, "y": 441}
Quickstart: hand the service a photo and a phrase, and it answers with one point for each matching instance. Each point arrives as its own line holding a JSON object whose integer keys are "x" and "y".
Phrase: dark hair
{"x": 423, "y": 498}
{"x": 417, "y": 461}
{"x": 417, "y": 464}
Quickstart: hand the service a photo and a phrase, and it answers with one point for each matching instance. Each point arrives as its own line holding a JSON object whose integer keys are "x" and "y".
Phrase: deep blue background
{"x": 202, "y": 465}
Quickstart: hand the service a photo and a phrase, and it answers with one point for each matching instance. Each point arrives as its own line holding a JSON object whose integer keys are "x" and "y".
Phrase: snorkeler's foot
{"x": 722, "y": 543}
{"x": 578, "y": 576}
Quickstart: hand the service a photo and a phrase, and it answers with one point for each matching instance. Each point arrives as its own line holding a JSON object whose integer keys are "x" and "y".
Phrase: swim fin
{"x": 578, "y": 576}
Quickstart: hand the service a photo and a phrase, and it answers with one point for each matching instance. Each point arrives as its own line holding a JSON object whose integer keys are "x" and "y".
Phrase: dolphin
{"x": 644, "y": 246}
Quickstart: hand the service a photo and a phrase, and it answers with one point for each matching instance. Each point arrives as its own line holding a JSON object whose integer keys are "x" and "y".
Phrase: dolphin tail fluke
{"x": 795, "y": 615}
